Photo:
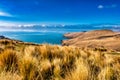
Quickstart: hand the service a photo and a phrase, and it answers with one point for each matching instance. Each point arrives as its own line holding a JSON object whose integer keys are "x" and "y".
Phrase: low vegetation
{"x": 53, "y": 62}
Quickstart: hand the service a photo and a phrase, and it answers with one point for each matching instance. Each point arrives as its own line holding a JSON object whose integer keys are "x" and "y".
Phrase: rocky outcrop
{"x": 2, "y": 37}
{"x": 94, "y": 39}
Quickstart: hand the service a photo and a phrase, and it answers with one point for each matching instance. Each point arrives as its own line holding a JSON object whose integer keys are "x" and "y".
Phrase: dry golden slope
{"x": 94, "y": 39}
{"x": 24, "y": 61}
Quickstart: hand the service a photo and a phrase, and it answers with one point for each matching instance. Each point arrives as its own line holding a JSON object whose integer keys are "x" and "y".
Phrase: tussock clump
{"x": 109, "y": 73}
{"x": 9, "y": 60}
{"x": 80, "y": 71}
{"x": 29, "y": 70}
{"x": 9, "y": 76}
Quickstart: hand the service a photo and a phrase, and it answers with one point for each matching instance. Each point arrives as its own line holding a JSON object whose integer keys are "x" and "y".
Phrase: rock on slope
{"x": 94, "y": 39}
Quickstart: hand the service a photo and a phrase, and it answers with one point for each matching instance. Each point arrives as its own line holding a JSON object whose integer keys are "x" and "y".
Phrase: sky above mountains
{"x": 59, "y": 11}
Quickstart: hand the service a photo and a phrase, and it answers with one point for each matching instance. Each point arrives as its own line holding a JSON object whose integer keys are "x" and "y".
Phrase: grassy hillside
{"x": 94, "y": 39}
{"x": 25, "y": 61}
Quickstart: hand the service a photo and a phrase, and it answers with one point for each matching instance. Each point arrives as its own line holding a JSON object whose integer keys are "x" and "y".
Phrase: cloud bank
{"x": 5, "y": 14}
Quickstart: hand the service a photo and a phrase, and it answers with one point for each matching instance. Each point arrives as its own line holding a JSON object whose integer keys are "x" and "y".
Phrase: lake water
{"x": 51, "y": 36}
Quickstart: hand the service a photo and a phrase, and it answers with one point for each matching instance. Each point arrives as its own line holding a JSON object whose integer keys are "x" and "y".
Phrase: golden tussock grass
{"x": 54, "y": 62}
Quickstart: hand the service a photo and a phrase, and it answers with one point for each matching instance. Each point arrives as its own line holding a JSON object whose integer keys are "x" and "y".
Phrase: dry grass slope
{"x": 53, "y": 62}
{"x": 94, "y": 39}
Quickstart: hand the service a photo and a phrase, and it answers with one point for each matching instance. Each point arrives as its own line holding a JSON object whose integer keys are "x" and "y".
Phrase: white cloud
{"x": 107, "y": 6}
{"x": 6, "y": 24}
{"x": 5, "y": 14}
{"x": 100, "y": 6}
{"x": 112, "y": 6}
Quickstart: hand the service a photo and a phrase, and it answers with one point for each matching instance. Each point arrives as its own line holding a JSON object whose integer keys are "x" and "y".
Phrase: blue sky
{"x": 59, "y": 11}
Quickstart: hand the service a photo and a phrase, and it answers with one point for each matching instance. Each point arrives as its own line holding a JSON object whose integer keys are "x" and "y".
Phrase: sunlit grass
{"x": 53, "y": 62}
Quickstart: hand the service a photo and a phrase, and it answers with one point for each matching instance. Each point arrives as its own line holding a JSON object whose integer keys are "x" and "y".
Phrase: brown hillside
{"x": 94, "y": 39}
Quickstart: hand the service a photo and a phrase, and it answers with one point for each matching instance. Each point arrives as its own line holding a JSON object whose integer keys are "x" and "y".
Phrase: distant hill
{"x": 94, "y": 39}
